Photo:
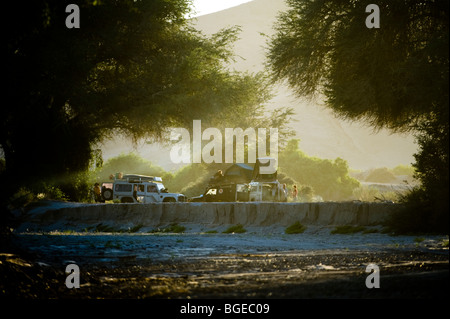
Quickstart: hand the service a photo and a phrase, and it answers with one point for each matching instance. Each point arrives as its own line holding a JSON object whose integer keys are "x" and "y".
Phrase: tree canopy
{"x": 394, "y": 76}
{"x": 328, "y": 178}
{"x": 133, "y": 68}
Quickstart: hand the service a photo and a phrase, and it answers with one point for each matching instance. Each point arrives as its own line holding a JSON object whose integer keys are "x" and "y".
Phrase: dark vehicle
{"x": 224, "y": 193}
{"x": 235, "y": 184}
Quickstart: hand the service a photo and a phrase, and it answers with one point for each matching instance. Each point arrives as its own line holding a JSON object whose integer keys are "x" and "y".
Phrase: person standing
{"x": 135, "y": 193}
{"x": 285, "y": 193}
{"x": 294, "y": 193}
{"x": 97, "y": 193}
{"x": 218, "y": 176}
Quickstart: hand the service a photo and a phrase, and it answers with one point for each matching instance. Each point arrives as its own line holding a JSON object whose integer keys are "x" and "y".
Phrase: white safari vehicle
{"x": 139, "y": 189}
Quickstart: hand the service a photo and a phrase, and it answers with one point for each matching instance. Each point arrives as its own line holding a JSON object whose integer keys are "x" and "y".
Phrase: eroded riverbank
{"x": 119, "y": 260}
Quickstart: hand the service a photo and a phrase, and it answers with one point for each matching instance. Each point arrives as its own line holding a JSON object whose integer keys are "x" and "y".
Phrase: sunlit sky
{"x": 203, "y": 7}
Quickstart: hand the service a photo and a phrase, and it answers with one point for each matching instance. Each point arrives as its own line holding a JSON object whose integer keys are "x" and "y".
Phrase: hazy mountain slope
{"x": 320, "y": 132}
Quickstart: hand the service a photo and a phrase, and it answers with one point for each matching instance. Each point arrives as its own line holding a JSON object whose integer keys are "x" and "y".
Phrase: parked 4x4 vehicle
{"x": 224, "y": 193}
{"x": 267, "y": 191}
{"x": 139, "y": 189}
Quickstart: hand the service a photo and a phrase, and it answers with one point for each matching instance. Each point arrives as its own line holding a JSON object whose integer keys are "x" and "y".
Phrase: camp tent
{"x": 239, "y": 173}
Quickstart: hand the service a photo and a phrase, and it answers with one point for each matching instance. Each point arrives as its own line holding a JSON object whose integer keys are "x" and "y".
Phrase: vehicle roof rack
{"x": 135, "y": 178}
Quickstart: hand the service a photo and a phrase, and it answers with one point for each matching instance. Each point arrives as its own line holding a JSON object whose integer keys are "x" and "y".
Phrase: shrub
{"x": 21, "y": 198}
{"x": 417, "y": 214}
{"x": 295, "y": 228}
{"x": 53, "y": 192}
{"x": 238, "y": 229}
{"x": 403, "y": 170}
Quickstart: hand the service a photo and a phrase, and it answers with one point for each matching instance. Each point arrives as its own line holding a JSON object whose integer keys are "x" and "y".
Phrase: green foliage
{"x": 76, "y": 187}
{"x": 425, "y": 208}
{"x": 390, "y": 77}
{"x": 395, "y": 77}
{"x": 190, "y": 180}
{"x": 53, "y": 192}
{"x": 236, "y": 229}
{"x": 306, "y": 193}
{"x": 22, "y": 198}
{"x": 296, "y": 228}
{"x": 417, "y": 215}
{"x": 196, "y": 187}
{"x": 432, "y": 163}
{"x": 327, "y": 178}
{"x": 133, "y": 67}
{"x": 407, "y": 170}
{"x": 131, "y": 163}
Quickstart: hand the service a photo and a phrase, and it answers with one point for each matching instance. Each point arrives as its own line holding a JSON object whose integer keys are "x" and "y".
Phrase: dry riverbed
{"x": 314, "y": 264}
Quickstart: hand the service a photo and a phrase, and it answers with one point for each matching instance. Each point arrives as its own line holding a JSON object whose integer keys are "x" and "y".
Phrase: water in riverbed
{"x": 104, "y": 247}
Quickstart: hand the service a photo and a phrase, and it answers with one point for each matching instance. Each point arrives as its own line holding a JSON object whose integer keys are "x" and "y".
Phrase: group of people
{"x": 294, "y": 192}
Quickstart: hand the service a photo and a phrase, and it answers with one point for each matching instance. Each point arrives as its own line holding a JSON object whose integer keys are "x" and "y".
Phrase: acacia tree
{"x": 133, "y": 67}
{"x": 394, "y": 76}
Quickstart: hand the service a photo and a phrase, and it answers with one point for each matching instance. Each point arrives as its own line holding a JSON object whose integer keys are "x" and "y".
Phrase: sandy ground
{"x": 193, "y": 266}
{"x": 262, "y": 263}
